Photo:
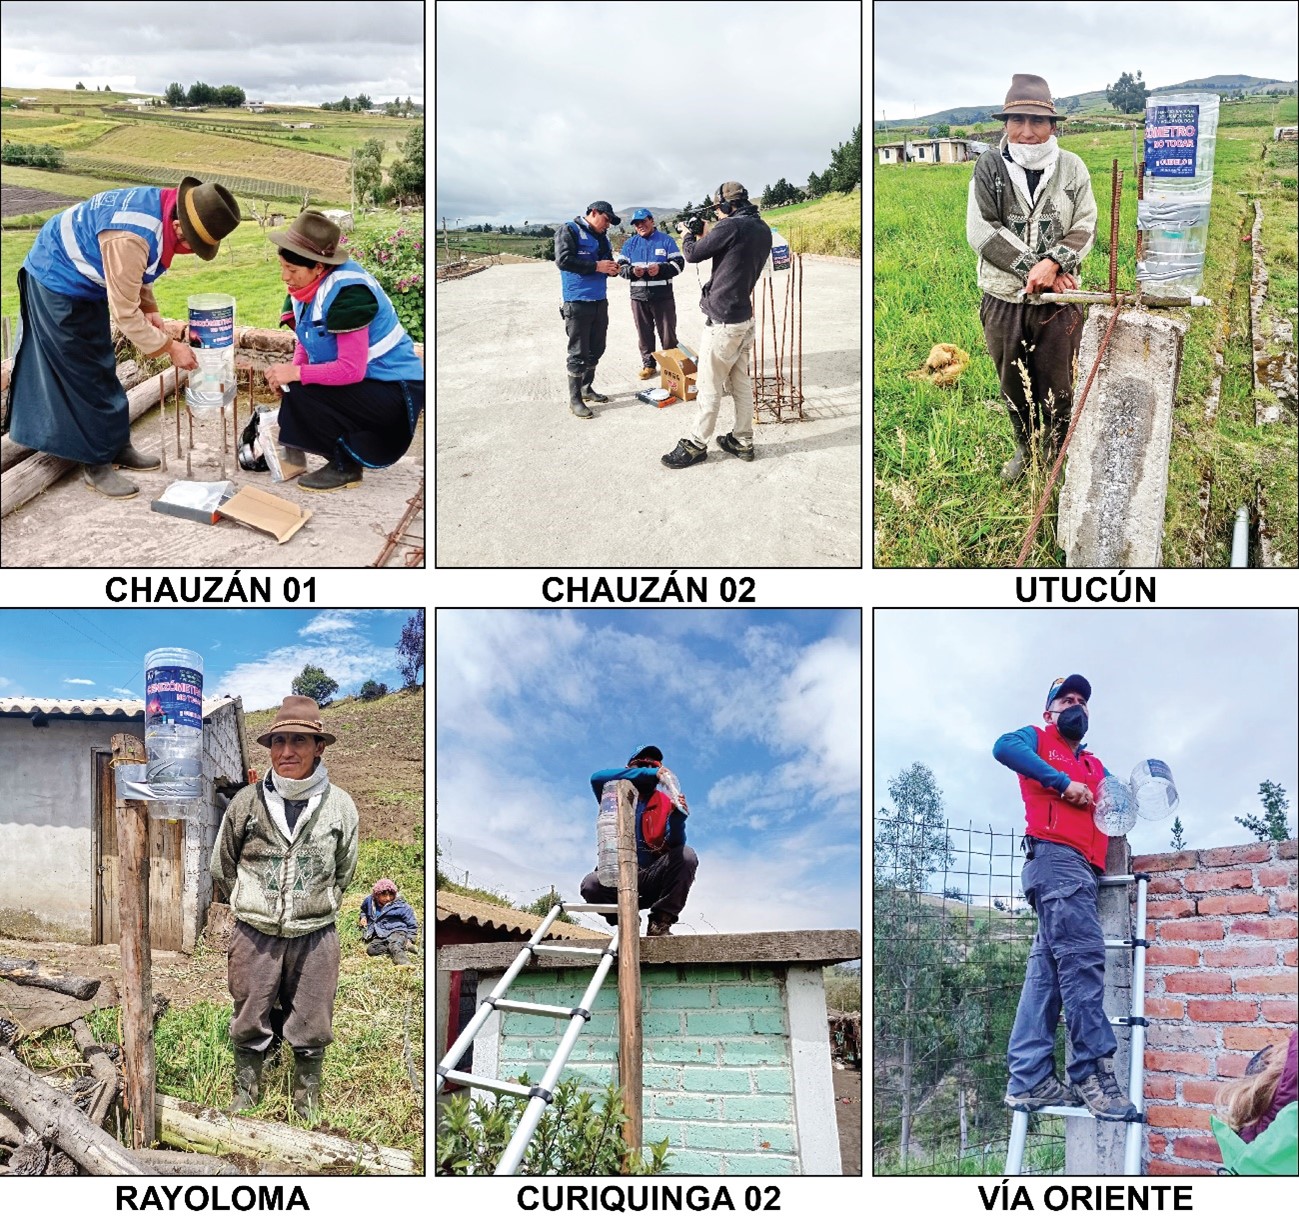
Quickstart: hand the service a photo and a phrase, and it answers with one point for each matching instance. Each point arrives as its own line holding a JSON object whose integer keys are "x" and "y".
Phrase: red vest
{"x": 1047, "y": 814}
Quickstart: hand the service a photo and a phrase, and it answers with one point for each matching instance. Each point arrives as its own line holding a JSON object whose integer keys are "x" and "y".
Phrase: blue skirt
{"x": 64, "y": 396}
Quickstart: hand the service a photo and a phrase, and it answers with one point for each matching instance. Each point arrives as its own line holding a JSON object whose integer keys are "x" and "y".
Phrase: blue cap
{"x": 641, "y": 213}
{"x": 1067, "y": 685}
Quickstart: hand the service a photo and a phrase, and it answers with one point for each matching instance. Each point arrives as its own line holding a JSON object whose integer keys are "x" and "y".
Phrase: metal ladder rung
{"x": 1120, "y": 943}
{"x": 487, "y": 1084}
{"x": 555, "y": 949}
{"x": 535, "y": 1008}
{"x": 600, "y": 909}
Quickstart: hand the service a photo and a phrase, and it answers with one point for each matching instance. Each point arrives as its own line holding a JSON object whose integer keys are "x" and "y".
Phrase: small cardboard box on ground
{"x": 678, "y": 368}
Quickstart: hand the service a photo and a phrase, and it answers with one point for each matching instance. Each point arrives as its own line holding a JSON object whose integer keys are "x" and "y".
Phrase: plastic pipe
{"x": 1240, "y": 539}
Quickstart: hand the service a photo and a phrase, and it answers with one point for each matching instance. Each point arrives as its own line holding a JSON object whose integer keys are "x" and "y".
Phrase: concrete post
{"x": 1116, "y": 474}
{"x": 1095, "y": 1148}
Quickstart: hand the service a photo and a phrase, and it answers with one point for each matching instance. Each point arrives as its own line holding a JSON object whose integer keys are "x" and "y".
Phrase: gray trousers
{"x": 663, "y": 884}
{"x": 301, "y": 974}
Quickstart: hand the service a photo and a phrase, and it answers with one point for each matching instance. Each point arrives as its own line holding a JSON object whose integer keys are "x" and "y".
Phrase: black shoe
{"x": 658, "y": 929}
{"x": 107, "y": 481}
{"x": 339, "y": 474}
{"x": 1049, "y": 1093}
{"x": 687, "y": 452}
{"x": 575, "y": 403}
{"x": 1100, "y": 1092}
{"x": 132, "y": 458}
{"x": 729, "y": 444}
{"x": 588, "y": 393}
{"x": 1013, "y": 470}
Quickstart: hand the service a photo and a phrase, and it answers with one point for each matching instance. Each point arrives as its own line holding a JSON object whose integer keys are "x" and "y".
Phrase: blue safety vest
{"x": 592, "y": 247}
{"x": 391, "y": 356}
{"x": 66, "y": 257}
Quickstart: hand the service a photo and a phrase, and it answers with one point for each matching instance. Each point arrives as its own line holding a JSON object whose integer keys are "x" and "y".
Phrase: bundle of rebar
{"x": 778, "y": 395}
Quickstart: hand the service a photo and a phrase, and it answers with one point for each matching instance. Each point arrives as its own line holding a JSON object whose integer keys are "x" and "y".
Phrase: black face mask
{"x": 1072, "y": 723}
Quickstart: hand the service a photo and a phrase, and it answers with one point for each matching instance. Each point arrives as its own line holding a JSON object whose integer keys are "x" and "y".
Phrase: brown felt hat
{"x": 1028, "y": 95}
{"x": 313, "y": 235}
{"x": 297, "y": 714}
{"x": 207, "y": 212}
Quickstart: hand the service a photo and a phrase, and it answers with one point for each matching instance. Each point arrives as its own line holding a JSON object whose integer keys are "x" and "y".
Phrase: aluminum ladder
{"x": 1136, "y": 1020}
{"x": 538, "y": 1096}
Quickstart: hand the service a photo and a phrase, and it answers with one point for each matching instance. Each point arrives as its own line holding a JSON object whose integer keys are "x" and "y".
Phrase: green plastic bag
{"x": 1275, "y": 1152}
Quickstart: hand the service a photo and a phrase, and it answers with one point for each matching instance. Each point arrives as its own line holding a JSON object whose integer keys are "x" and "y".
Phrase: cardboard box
{"x": 261, "y": 510}
{"x": 678, "y": 368}
{"x": 167, "y": 506}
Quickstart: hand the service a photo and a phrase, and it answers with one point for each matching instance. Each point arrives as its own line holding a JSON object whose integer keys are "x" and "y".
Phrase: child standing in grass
{"x": 388, "y": 923}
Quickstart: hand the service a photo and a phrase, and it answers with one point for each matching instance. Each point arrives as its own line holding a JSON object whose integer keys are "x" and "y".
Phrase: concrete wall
{"x": 737, "y": 1072}
{"x": 1220, "y": 985}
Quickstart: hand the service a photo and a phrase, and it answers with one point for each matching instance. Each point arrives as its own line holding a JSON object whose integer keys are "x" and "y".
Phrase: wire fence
{"x": 951, "y": 937}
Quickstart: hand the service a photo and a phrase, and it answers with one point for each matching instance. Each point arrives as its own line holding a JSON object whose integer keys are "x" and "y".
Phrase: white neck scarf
{"x": 277, "y": 789}
{"x": 1034, "y": 156}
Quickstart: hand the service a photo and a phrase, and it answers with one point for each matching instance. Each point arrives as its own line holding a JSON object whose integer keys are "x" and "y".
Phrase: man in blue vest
{"x": 92, "y": 262}
{"x": 585, "y": 261}
{"x": 651, "y": 260}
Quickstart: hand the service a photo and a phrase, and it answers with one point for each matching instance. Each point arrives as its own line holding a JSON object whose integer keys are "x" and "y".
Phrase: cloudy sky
{"x": 255, "y": 653}
{"x": 544, "y": 108}
{"x": 757, "y": 713}
{"x": 922, "y": 51}
{"x": 1195, "y": 688}
{"x": 290, "y": 52}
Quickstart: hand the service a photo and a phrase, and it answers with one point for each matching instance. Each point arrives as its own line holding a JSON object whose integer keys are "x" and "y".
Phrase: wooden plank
{"x": 629, "y": 1013}
{"x": 771, "y": 947}
{"x": 35, "y": 1011}
{"x": 107, "y": 867}
{"x": 137, "y": 967}
{"x": 166, "y": 879}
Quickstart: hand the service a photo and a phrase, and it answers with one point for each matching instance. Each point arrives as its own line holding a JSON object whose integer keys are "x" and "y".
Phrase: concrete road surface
{"x": 521, "y": 482}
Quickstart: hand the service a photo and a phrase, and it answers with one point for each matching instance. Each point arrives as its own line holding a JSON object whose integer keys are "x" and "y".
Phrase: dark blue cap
{"x": 1067, "y": 685}
{"x": 607, "y": 208}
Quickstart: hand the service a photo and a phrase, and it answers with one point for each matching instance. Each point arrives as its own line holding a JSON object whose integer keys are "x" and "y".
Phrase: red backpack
{"x": 654, "y": 822}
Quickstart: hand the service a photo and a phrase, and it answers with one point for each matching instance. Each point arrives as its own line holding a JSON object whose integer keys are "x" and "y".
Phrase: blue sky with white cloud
{"x": 757, "y": 712}
{"x": 255, "y": 653}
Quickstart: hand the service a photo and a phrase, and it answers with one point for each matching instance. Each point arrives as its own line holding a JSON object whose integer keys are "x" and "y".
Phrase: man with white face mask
{"x": 1065, "y": 855}
{"x": 1031, "y": 217}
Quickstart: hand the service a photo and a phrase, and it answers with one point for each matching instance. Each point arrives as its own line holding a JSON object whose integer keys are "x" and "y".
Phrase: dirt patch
{"x": 847, "y": 1108}
{"x": 522, "y": 482}
{"x": 27, "y": 201}
{"x": 69, "y": 525}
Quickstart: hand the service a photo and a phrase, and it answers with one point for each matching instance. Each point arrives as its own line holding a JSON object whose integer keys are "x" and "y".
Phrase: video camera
{"x": 693, "y": 218}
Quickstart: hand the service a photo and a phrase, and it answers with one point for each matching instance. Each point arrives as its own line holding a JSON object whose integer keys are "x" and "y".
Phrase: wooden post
{"x": 629, "y": 1016}
{"x": 137, "y": 979}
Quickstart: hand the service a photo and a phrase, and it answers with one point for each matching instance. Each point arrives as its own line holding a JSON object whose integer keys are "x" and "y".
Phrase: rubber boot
{"x": 1013, "y": 469}
{"x": 248, "y": 1078}
{"x": 294, "y": 456}
{"x": 339, "y": 474}
{"x": 107, "y": 481}
{"x": 1053, "y": 434}
{"x": 306, "y": 1082}
{"x": 588, "y": 392}
{"x": 131, "y": 457}
{"x": 575, "y": 403}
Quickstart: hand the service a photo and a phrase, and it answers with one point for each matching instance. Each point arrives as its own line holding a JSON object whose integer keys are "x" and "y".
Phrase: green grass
{"x": 366, "y": 1092}
{"x": 247, "y": 268}
{"x": 938, "y": 498}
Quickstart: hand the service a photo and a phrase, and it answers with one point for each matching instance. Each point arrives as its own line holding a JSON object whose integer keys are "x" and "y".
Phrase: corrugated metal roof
{"x": 112, "y": 708}
{"x": 492, "y": 917}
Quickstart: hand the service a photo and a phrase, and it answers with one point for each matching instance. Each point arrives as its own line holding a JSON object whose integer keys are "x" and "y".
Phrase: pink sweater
{"x": 347, "y": 369}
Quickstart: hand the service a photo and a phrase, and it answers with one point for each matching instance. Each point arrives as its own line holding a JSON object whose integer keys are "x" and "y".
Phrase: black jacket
{"x": 739, "y": 247}
{"x": 566, "y": 258}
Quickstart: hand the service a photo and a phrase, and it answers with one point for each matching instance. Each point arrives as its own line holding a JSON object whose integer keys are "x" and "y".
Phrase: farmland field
{"x": 938, "y": 499}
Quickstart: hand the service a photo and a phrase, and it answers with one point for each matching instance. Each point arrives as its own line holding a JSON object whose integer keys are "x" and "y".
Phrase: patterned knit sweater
{"x": 1010, "y": 236}
{"x": 280, "y": 887}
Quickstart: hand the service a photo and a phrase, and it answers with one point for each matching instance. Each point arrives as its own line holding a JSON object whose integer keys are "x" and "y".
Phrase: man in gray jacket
{"x": 286, "y": 851}
{"x": 1031, "y": 217}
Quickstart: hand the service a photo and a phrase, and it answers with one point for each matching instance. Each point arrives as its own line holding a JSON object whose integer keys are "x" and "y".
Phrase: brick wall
{"x": 717, "y": 1076}
{"x": 1221, "y": 975}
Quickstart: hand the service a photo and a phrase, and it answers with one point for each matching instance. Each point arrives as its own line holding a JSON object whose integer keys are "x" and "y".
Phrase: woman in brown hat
{"x": 92, "y": 262}
{"x": 1031, "y": 218}
{"x": 286, "y": 852}
{"x": 355, "y": 388}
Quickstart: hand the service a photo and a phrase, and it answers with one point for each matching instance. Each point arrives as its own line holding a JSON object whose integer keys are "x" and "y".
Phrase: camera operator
{"x": 739, "y": 245}
{"x": 585, "y": 261}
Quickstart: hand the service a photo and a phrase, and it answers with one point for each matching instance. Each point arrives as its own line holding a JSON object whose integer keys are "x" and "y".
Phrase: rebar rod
{"x": 162, "y": 419}
{"x": 177, "y": 406}
{"x": 800, "y": 336}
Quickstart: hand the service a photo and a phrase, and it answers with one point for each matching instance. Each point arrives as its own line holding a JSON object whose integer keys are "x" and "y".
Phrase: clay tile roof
{"x": 498, "y": 917}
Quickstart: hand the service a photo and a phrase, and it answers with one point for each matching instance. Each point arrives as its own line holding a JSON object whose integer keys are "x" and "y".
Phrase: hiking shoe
{"x": 657, "y": 929}
{"x": 645, "y": 373}
{"x": 729, "y": 444}
{"x": 338, "y": 475}
{"x": 575, "y": 403}
{"x": 687, "y": 452}
{"x": 1100, "y": 1092}
{"x": 107, "y": 481}
{"x": 131, "y": 458}
{"x": 1050, "y": 1092}
{"x": 1013, "y": 470}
